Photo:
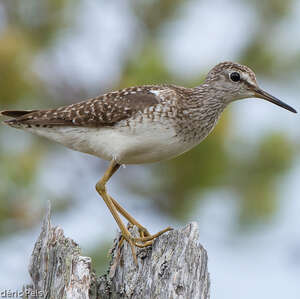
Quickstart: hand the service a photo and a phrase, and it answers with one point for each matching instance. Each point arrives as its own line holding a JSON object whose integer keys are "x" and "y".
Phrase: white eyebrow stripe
{"x": 248, "y": 79}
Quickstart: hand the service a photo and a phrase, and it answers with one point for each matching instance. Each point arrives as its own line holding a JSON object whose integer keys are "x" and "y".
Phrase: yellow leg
{"x": 109, "y": 173}
{"x": 115, "y": 207}
{"x": 101, "y": 189}
{"x": 143, "y": 231}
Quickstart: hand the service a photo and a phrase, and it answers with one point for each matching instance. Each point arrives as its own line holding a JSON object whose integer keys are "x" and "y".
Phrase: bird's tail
{"x": 15, "y": 114}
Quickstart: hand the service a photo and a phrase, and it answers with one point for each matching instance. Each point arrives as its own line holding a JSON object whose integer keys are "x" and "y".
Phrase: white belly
{"x": 125, "y": 145}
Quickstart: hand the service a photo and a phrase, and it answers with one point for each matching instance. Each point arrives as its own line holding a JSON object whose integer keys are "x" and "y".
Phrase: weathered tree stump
{"x": 174, "y": 267}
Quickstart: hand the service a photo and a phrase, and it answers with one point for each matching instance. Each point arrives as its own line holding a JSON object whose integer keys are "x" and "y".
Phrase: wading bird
{"x": 143, "y": 124}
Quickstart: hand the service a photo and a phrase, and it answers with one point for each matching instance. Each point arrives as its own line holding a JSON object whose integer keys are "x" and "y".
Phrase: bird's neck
{"x": 201, "y": 111}
{"x": 209, "y": 99}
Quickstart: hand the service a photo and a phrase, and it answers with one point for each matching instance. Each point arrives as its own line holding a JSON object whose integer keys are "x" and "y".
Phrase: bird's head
{"x": 232, "y": 81}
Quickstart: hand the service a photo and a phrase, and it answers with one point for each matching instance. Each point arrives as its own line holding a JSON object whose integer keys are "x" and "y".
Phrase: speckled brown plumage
{"x": 105, "y": 110}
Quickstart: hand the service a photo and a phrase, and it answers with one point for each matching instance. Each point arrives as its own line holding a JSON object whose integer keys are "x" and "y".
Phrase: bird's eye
{"x": 235, "y": 77}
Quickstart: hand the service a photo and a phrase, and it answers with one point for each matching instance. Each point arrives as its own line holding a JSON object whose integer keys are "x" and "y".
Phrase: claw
{"x": 143, "y": 245}
{"x": 152, "y": 237}
{"x": 143, "y": 241}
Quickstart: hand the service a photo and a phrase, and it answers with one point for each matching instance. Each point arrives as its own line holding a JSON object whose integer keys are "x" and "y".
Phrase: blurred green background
{"x": 56, "y": 52}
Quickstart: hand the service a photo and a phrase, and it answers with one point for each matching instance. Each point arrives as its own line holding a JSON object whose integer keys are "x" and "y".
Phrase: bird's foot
{"x": 143, "y": 231}
{"x": 140, "y": 242}
{"x": 143, "y": 241}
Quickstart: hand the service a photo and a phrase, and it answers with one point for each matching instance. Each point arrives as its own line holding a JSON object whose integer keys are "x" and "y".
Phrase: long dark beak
{"x": 266, "y": 96}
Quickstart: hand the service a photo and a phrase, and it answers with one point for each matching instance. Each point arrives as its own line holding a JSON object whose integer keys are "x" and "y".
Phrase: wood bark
{"x": 175, "y": 266}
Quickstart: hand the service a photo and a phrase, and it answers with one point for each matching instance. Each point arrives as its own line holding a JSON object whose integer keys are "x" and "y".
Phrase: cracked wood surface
{"x": 174, "y": 267}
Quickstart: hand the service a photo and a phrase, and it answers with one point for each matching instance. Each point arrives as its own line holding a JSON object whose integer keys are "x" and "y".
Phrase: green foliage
{"x": 258, "y": 177}
{"x": 148, "y": 67}
{"x": 31, "y": 27}
{"x": 260, "y": 53}
{"x": 18, "y": 174}
{"x": 273, "y": 10}
{"x": 15, "y": 83}
{"x": 154, "y": 13}
{"x": 260, "y": 57}
{"x": 100, "y": 257}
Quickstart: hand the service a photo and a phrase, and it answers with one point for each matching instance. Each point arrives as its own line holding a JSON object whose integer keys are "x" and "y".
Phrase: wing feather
{"x": 105, "y": 110}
